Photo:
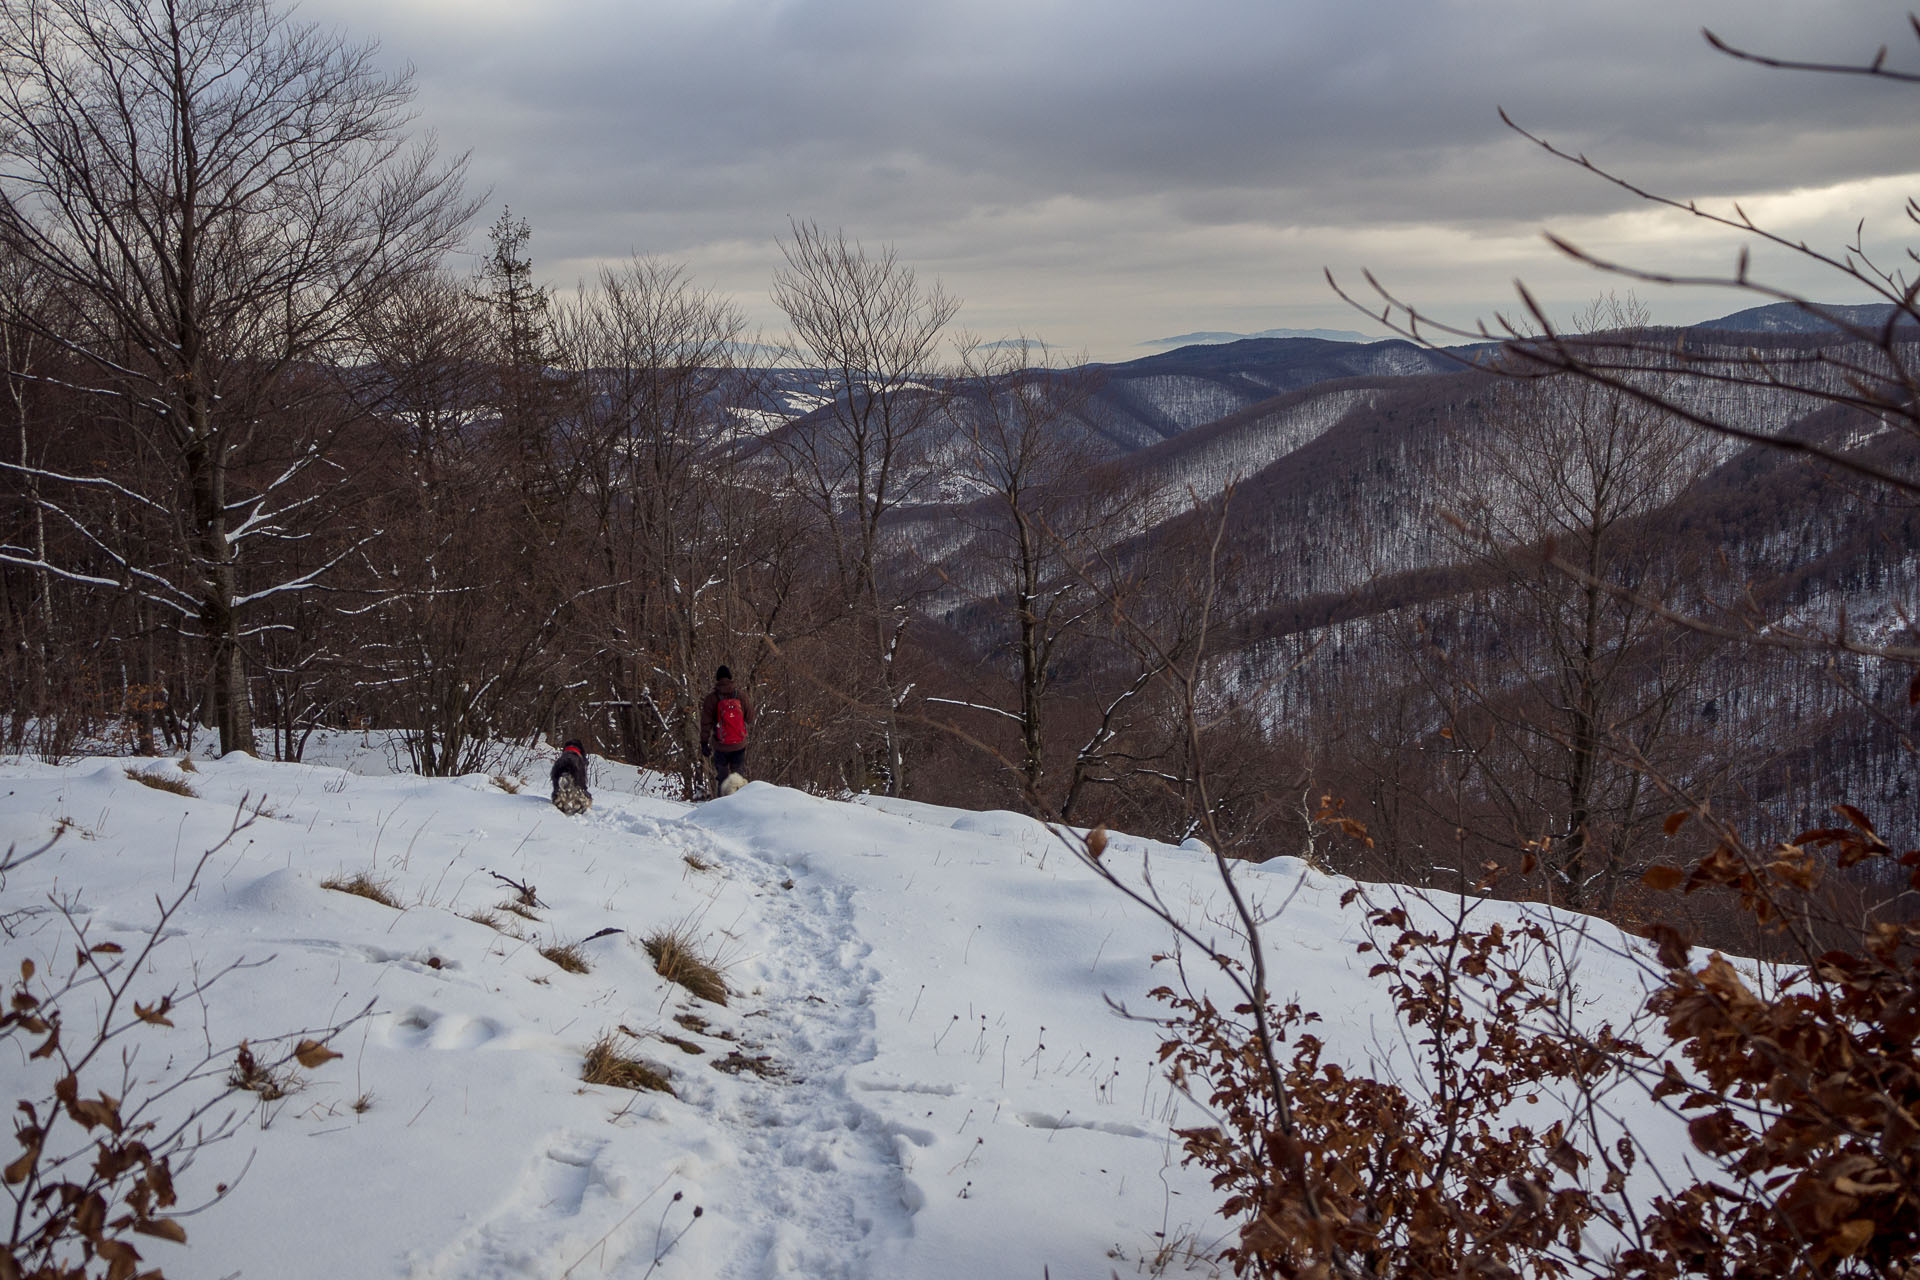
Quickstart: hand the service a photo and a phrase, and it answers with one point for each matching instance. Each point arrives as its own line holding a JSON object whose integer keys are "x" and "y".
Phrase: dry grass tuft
{"x": 187, "y": 765}
{"x": 518, "y": 909}
{"x": 677, "y": 959}
{"x": 254, "y": 1076}
{"x": 697, "y": 862}
{"x": 161, "y": 782}
{"x": 606, "y": 1064}
{"x": 568, "y": 956}
{"x": 509, "y": 785}
{"x": 362, "y": 885}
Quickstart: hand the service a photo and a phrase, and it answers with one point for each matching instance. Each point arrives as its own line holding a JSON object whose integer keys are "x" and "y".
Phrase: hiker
{"x": 724, "y": 718}
{"x": 570, "y": 775}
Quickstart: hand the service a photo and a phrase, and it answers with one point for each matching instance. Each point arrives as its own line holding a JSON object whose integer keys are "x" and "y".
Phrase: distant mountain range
{"x": 1204, "y": 339}
{"x": 1787, "y": 317}
{"x": 1778, "y": 317}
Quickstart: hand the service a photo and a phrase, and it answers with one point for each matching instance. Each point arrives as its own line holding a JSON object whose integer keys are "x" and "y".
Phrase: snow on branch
{"x": 309, "y": 579}
{"x": 257, "y": 521}
{"x": 976, "y": 706}
{"x": 294, "y": 468}
{"x": 96, "y": 481}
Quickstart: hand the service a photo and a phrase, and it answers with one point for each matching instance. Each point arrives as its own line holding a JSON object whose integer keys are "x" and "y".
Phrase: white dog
{"x": 732, "y": 784}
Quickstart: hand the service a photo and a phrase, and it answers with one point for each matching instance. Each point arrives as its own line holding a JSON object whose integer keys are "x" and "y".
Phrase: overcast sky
{"x": 1100, "y": 173}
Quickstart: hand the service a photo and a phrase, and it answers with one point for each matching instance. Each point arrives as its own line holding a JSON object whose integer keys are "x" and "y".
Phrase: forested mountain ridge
{"x": 1359, "y": 567}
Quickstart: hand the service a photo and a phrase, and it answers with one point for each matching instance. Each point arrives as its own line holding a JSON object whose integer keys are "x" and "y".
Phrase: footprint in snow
{"x": 571, "y": 1200}
{"x": 420, "y": 1028}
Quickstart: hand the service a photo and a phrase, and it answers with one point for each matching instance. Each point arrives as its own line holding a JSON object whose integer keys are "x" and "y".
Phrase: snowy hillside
{"x": 917, "y": 1074}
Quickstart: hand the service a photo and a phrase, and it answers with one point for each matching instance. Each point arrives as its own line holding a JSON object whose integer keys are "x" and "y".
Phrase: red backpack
{"x": 730, "y": 724}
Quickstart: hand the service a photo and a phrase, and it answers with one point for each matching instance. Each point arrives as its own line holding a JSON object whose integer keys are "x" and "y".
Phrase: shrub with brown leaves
{"x": 92, "y": 1181}
{"x": 1801, "y": 1092}
{"x": 1807, "y": 1098}
{"x": 1363, "y": 1176}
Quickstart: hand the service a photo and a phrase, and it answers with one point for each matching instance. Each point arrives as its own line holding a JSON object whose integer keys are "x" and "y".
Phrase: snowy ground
{"x": 919, "y": 1074}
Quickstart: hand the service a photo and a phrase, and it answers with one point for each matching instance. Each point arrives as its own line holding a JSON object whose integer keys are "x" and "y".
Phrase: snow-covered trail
{"x": 797, "y": 1177}
{"x": 791, "y": 1175}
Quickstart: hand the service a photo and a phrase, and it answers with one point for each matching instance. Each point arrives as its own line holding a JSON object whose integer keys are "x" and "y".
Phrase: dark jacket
{"x": 710, "y": 713}
{"x": 572, "y": 761}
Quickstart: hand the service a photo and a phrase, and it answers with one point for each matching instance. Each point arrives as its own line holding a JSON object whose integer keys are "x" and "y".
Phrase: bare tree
{"x": 521, "y": 352}
{"x": 1027, "y": 445}
{"x": 875, "y": 332}
{"x": 1584, "y": 683}
{"x": 216, "y": 196}
{"x": 666, "y": 524}
{"x": 454, "y": 638}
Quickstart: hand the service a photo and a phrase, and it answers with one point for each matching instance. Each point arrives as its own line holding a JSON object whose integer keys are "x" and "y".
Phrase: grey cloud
{"x": 656, "y": 126}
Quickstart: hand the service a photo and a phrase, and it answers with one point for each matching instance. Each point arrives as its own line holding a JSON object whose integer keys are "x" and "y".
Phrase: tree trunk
{"x": 1032, "y": 668}
{"x": 226, "y": 669}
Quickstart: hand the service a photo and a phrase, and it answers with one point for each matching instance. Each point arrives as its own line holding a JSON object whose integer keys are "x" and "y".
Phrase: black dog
{"x": 570, "y": 793}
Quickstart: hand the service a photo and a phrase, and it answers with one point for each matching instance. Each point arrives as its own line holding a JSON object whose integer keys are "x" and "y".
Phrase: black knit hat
{"x": 724, "y": 673}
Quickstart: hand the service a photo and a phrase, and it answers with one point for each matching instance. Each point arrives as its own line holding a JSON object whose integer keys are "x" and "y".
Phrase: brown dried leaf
{"x": 16, "y": 1173}
{"x": 311, "y": 1054}
{"x": 154, "y": 1013}
{"x": 164, "y": 1228}
{"x": 1856, "y": 817}
{"x": 101, "y": 1112}
{"x": 1796, "y": 869}
{"x": 1676, "y": 820}
{"x": 1717, "y": 1133}
{"x": 1663, "y": 879}
{"x": 121, "y": 1257}
{"x": 1852, "y": 1237}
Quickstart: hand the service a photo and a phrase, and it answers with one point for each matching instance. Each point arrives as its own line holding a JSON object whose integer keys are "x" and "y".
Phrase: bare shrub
{"x": 524, "y": 894}
{"x": 250, "y": 1075}
{"x": 98, "y": 1149}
